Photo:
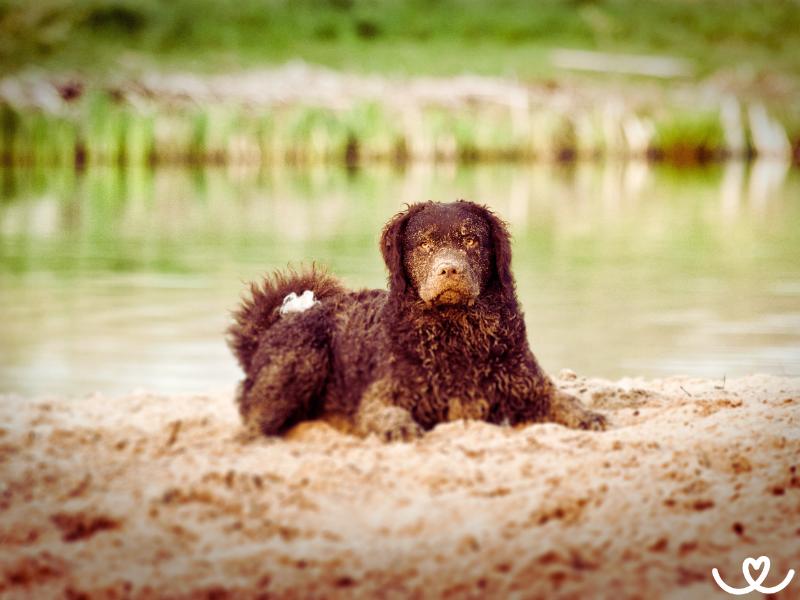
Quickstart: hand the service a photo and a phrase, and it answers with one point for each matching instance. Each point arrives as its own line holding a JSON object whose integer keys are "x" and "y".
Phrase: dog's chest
{"x": 459, "y": 368}
{"x": 450, "y": 389}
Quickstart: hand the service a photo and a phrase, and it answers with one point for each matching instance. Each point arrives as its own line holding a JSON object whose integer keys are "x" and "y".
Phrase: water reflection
{"x": 114, "y": 280}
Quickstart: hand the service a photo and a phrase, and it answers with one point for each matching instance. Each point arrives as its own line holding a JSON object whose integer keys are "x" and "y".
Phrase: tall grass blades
{"x": 101, "y": 130}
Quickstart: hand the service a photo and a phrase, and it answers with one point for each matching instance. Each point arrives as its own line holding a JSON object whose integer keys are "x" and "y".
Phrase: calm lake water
{"x": 119, "y": 280}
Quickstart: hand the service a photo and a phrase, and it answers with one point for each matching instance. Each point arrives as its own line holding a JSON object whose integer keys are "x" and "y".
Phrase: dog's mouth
{"x": 458, "y": 291}
{"x": 450, "y": 296}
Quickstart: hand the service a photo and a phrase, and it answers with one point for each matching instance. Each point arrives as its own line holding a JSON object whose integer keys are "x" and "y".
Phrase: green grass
{"x": 689, "y": 136}
{"x": 439, "y": 37}
{"x": 97, "y": 130}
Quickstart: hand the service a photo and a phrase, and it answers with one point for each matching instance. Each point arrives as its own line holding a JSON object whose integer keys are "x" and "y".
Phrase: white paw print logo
{"x": 757, "y": 564}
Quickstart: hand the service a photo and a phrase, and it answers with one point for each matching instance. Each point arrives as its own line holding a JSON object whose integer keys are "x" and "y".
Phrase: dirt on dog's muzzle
{"x": 450, "y": 280}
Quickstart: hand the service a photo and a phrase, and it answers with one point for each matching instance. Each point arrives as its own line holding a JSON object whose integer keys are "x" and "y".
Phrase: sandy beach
{"x": 160, "y": 496}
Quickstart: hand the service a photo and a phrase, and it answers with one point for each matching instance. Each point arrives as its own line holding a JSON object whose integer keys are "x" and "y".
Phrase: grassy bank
{"x": 442, "y": 37}
{"x": 101, "y": 129}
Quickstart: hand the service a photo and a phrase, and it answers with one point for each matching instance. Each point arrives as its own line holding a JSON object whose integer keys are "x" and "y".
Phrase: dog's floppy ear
{"x": 501, "y": 246}
{"x": 392, "y": 250}
{"x": 501, "y": 241}
{"x": 392, "y": 246}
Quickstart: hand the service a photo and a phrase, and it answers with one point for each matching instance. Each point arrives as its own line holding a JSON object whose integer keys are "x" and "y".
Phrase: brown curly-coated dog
{"x": 446, "y": 342}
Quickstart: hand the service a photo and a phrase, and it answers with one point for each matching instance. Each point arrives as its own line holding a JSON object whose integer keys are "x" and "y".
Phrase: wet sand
{"x": 159, "y": 496}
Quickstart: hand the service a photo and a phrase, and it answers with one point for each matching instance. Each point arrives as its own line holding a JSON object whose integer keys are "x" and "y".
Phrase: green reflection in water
{"x": 120, "y": 279}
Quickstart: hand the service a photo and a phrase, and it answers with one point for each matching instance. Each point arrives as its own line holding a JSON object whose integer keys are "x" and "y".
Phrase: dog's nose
{"x": 450, "y": 268}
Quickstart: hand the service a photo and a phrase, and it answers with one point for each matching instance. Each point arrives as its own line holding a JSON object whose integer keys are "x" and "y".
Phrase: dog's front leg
{"x": 533, "y": 397}
{"x": 376, "y": 414}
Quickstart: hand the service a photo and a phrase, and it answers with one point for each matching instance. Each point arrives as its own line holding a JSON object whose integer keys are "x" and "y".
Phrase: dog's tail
{"x": 261, "y": 308}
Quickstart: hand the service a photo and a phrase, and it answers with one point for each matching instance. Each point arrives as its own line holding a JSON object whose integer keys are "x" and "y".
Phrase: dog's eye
{"x": 470, "y": 242}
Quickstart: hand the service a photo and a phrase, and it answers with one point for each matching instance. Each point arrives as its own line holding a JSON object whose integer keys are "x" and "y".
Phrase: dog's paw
{"x": 593, "y": 421}
{"x": 393, "y": 424}
{"x": 403, "y": 432}
{"x": 569, "y": 411}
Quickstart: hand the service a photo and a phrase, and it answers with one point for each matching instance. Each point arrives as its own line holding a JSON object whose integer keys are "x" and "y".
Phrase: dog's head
{"x": 447, "y": 254}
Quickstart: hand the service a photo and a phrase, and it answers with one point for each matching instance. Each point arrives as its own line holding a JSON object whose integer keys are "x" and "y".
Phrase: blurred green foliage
{"x": 441, "y": 36}
{"x": 98, "y": 131}
{"x": 686, "y": 137}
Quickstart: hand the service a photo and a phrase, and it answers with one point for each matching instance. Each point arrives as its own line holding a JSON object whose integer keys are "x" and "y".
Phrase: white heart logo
{"x": 760, "y": 566}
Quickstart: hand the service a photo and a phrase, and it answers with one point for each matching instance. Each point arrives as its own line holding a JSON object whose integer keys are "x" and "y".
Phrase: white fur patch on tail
{"x": 293, "y": 303}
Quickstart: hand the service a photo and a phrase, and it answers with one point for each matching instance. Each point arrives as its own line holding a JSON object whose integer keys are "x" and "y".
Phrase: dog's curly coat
{"x": 446, "y": 342}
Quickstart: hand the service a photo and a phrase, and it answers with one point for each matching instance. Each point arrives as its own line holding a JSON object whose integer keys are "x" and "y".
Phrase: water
{"x": 119, "y": 280}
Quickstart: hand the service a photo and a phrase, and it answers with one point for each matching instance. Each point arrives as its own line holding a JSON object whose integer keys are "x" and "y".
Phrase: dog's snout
{"x": 449, "y": 279}
{"x": 450, "y": 268}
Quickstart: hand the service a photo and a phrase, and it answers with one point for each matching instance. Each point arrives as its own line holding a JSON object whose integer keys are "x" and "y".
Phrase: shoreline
{"x": 153, "y": 496}
{"x": 302, "y": 114}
